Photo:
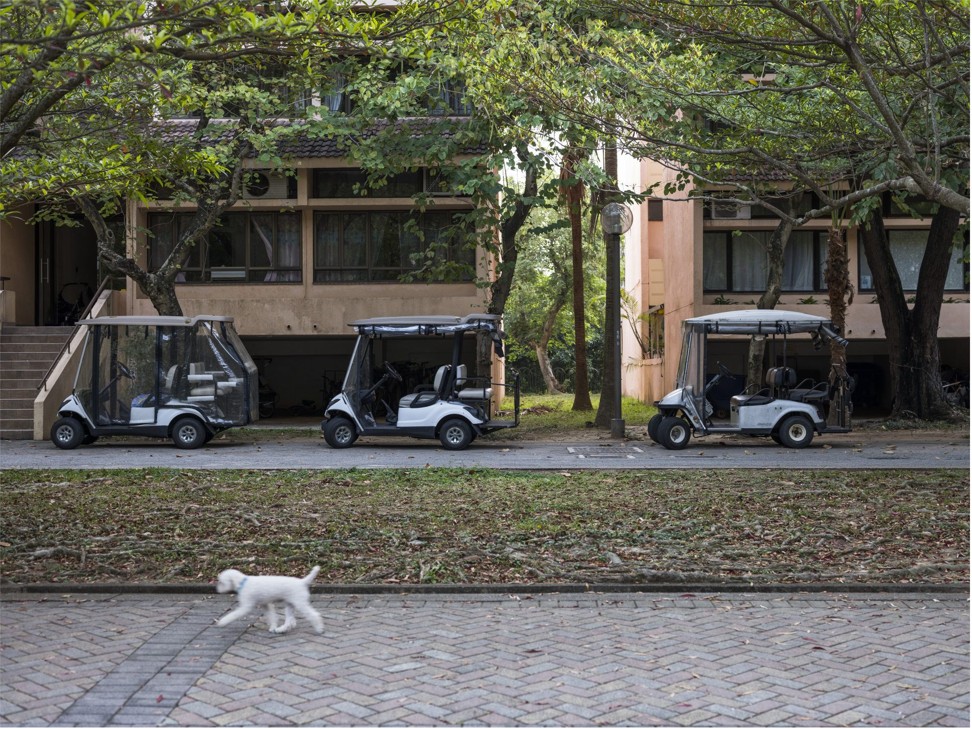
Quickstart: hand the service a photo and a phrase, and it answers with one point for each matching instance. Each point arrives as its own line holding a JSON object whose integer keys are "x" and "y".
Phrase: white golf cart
{"x": 788, "y": 409}
{"x": 162, "y": 376}
{"x": 402, "y": 396}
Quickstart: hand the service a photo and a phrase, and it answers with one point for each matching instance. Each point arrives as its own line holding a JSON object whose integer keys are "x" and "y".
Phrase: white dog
{"x": 253, "y": 591}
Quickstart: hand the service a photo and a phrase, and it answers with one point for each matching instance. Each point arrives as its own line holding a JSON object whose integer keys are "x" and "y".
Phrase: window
{"x": 907, "y": 250}
{"x": 245, "y": 247}
{"x": 337, "y": 94}
{"x": 907, "y": 206}
{"x": 804, "y": 203}
{"x": 384, "y": 245}
{"x": 352, "y": 182}
{"x": 332, "y": 182}
{"x": 737, "y": 261}
{"x": 448, "y": 98}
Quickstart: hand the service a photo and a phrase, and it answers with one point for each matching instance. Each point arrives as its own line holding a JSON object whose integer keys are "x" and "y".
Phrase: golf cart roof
{"x": 427, "y": 324}
{"x": 156, "y": 321}
{"x": 764, "y": 321}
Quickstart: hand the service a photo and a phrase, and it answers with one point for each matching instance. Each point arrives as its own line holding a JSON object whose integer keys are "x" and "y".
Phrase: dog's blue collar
{"x": 239, "y": 587}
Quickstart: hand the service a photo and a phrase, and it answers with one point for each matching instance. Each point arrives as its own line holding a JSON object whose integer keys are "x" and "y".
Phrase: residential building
{"x": 302, "y": 255}
{"x": 685, "y": 257}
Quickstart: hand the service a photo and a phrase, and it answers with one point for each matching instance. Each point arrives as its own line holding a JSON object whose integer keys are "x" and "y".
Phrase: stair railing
{"x": 66, "y": 348}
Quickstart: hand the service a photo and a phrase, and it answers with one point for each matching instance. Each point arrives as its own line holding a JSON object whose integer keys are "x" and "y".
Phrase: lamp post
{"x": 616, "y": 220}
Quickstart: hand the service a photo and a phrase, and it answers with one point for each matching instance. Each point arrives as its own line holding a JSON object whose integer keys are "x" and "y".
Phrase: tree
{"x": 97, "y": 85}
{"x": 538, "y": 315}
{"x": 846, "y": 101}
{"x": 573, "y": 196}
{"x": 541, "y": 291}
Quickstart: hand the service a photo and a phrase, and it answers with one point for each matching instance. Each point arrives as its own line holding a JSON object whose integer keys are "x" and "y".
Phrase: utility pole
{"x": 615, "y": 221}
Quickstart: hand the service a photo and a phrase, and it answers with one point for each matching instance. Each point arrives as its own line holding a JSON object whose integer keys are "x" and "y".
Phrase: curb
{"x": 196, "y": 588}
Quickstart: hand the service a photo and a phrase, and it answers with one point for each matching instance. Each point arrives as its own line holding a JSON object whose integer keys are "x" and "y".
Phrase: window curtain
{"x": 749, "y": 261}
{"x": 332, "y": 95}
{"x": 288, "y": 247}
{"x": 798, "y": 262}
{"x": 283, "y": 252}
{"x": 714, "y": 262}
{"x": 908, "y": 249}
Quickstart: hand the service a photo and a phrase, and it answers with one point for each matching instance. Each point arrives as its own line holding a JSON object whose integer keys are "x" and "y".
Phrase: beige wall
{"x": 316, "y": 309}
{"x": 17, "y": 263}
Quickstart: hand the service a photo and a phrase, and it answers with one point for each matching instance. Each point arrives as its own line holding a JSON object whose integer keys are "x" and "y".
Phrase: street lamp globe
{"x": 616, "y": 219}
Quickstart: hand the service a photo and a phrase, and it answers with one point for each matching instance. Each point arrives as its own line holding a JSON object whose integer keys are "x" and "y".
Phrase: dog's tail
{"x": 311, "y": 575}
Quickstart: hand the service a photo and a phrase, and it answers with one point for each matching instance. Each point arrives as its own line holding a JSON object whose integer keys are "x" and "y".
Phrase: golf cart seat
{"x": 425, "y": 395}
{"x": 760, "y": 398}
{"x": 806, "y": 391}
{"x": 205, "y": 386}
{"x": 475, "y": 394}
{"x": 776, "y": 382}
{"x": 780, "y": 380}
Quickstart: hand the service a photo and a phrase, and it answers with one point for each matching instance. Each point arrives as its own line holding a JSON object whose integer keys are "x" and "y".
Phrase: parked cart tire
{"x": 653, "y": 422}
{"x": 340, "y": 432}
{"x": 674, "y": 433}
{"x": 455, "y": 434}
{"x": 795, "y": 432}
{"x": 188, "y": 433}
{"x": 67, "y": 433}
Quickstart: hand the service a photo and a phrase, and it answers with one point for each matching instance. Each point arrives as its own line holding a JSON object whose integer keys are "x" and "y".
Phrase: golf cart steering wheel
{"x": 392, "y": 371}
{"x": 723, "y": 372}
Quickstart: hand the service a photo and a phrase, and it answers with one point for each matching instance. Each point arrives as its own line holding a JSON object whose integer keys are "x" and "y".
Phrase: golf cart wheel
{"x": 795, "y": 432}
{"x": 339, "y": 433}
{"x": 674, "y": 433}
{"x": 653, "y": 424}
{"x": 67, "y": 433}
{"x": 455, "y": 434}
{"x": 188, "y": 433}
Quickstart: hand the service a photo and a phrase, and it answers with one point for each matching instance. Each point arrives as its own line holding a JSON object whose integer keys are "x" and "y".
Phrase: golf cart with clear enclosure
{"x": 163, "y": 376}
{"x": 788, "y": 409}
{"x": 407, "y": 376}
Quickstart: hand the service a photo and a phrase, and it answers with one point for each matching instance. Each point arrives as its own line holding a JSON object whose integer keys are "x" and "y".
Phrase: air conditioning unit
{"x": 263, "y": 186}
{"x": 726, "y": 210}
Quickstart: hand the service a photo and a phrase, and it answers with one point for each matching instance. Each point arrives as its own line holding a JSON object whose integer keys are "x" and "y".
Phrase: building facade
{"x": 302, "y": 255}
{"x": 686, "y": 257}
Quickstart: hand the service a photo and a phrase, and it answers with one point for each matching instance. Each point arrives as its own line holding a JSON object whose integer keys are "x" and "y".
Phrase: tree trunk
{"x": 768, "y": 300}
{"x": 574, "y": 195}
{"x": 840, "y": 292}
{"x": 546, "y": 332}
{"x": 159, "y": 289}
{"x": 546, "y": 370}
{"x": 912, "y": 335}
{"x": 499, "y": 291}
{"x": 610, "y": 386}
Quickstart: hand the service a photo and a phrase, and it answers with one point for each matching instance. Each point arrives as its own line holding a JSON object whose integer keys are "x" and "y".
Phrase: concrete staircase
{"x": 26, "y": 354}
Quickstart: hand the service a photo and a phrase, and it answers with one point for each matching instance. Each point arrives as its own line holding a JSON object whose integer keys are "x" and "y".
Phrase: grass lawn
{"x": 483, "y": 526}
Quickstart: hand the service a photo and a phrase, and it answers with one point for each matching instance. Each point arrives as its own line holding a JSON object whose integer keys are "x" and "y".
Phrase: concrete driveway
{"x": 265, "y": 448}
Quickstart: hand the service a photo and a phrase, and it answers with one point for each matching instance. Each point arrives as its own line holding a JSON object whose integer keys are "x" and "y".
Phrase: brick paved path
{"x": 549, "y": 660}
